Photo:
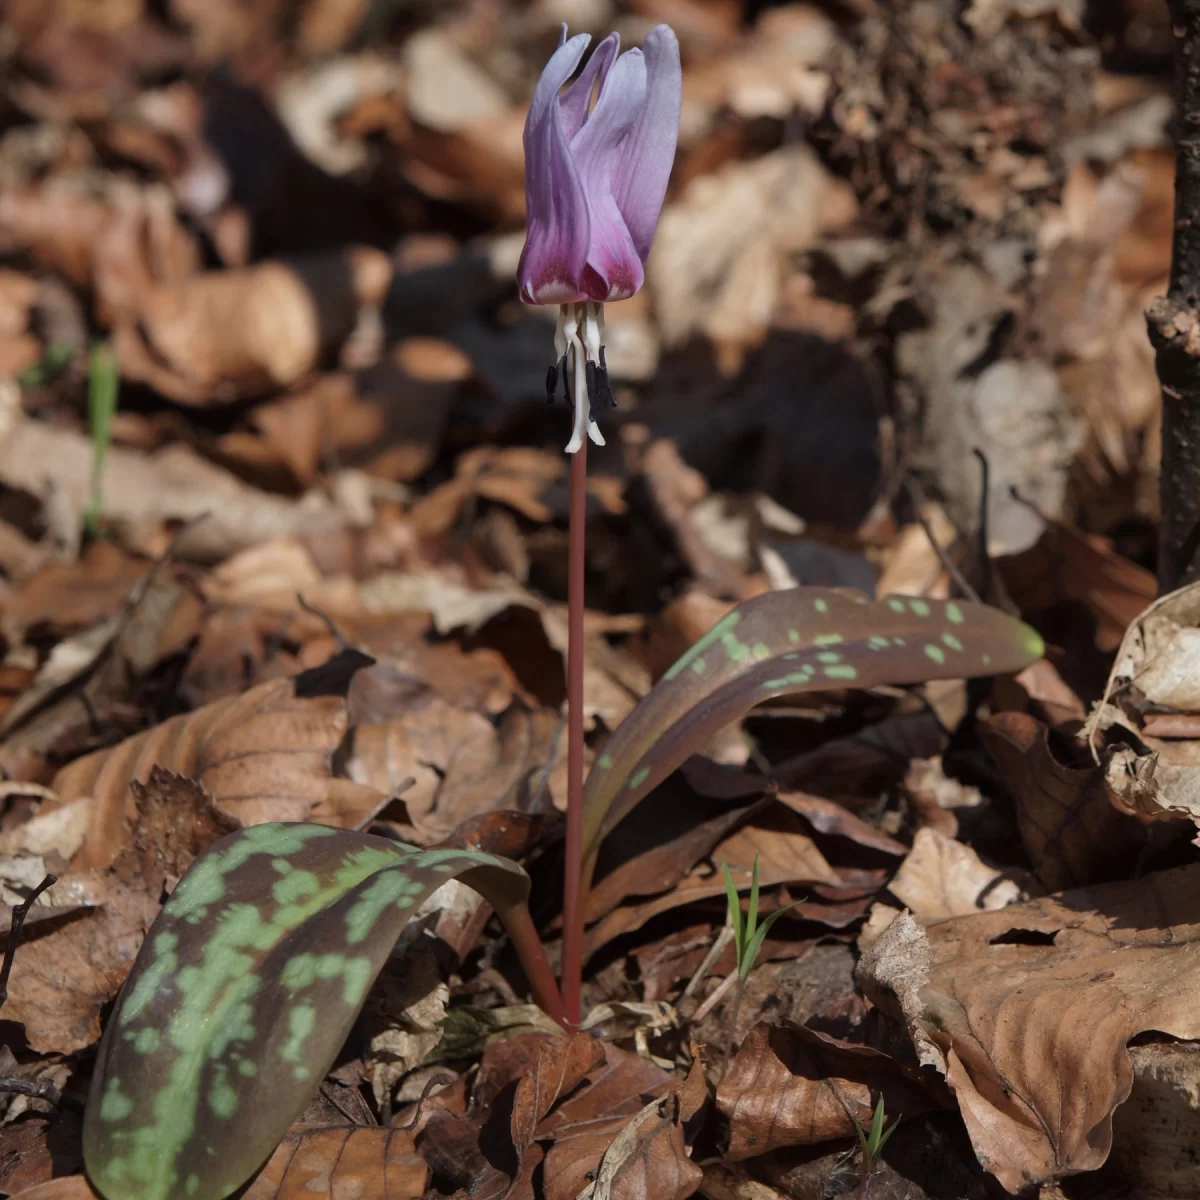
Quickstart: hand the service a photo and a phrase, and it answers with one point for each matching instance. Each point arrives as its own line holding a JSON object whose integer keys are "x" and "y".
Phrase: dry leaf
{"x": 785, "y": 853}
{"x": 356, "y": 1161}
{"x": 69, "y": 1187}
{"x": 1027, "y": 1012}
{"x": 221, "y": 514}
{"x": 1066, "y": 816}
{"x": 225, "y": 335}
{"x": 789, "y": 1085}
{"x": 67, "y": 971}
{"x": 266, "y": 755}
{"x": 943, "y": 878}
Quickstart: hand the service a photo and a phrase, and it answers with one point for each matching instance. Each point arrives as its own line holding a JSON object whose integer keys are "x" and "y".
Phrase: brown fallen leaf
{"x": 1027, "y": 1012}
{"x": 575, "y": 1094}
{"x": 1067, "y": 563}
{"x": 68, "y": 1187}
{"x": 89, "y": 679}
{"x": 141, "y": 490}
{"x": 1069, "y": 824}
{"x": 226, "y": 335}
{"x": 789, "y": 1085}
{"x": 943, "y": 878}
{"x": 37, "y": 1147}
{"x": 777, "y": 838}
{"x": 658, "y": 844}
{"x": 67, "y": 971}
{"x": 365, "y": 1162}
{"x": 266, "y": 755}
{"x": 647, "y": 1158}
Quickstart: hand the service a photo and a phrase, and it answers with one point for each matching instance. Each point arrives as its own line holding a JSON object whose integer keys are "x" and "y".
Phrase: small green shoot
{"x": 52, "y": 365}
{"x": 871, "y": 1143}
{"x": 748, "y": 938}
{"x": 748, "y": 934}
{"x": 103, "y": 383}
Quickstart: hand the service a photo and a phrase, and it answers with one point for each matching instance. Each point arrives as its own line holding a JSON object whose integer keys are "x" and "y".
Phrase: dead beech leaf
{"x": 647, "y": 1158}
{"x": 71, "y": 968}
{"x": 789, "y": 1085}
{"x": 90, "y": 677}
{"x": 943, "y": 878}
{"x": 1066, "y": 816}
{"x": 786, "y": 854}
{"x": 266, "y": 755}
{"x": 1066, "y": 563}
{"x": 174, "y": 484}
{"x": 1027, "y": 1011}
{"x": 225, "y": 335}
{"x": 574, "y": 1093}
{"x": 365, "y": 1162}
{"x": 68, "y": 1187}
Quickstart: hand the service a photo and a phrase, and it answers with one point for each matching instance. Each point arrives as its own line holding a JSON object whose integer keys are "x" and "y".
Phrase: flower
{"x": 595, "y": 178}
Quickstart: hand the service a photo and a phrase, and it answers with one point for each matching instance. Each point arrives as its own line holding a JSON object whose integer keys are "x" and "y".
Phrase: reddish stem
{"x": 532, "y": 954}
{"x": 573, "y": 888}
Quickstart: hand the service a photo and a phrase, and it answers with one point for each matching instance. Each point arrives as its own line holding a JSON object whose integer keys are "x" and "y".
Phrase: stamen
{"x": 551, "y": 382}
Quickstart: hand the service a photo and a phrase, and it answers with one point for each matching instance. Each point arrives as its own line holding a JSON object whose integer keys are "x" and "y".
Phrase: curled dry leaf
{"x": 777, "y": 838}
{"x": 68, "y": 970}
{"x": 1027, "y": 1012}
{"x": 789, "y": 1085}
{"x": 68, "y": 1187}
{"x": 226, "y": 335}
{"x": 943, "y": 878}
{"x": 88, "y": 678}
{"x": 364, "y": 1162}
{"x": 221, "y": 514}
{"x": 265, "y": 755}
{"x": 1066, "y": 816}
{"x": 1159, "y": 659}
{"x": 562, "y": 1101}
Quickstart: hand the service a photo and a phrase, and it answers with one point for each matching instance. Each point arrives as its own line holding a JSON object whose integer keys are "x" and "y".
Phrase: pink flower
{"x": 595, "y": 177}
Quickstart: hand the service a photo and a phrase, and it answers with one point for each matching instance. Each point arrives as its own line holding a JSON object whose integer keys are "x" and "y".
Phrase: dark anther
{"x": 593, "y": 382}
{"x": 607, "y": 392}
{"x": 566, "y": 379}
{"x": 551, "y": 382}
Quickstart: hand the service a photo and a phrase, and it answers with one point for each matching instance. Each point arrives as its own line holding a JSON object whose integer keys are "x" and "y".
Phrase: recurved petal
{"x": 557, "y": 225}
{"x": 640, "y": 178}
{"x": 574, "y": 101}
{"x": 614, "y": 267}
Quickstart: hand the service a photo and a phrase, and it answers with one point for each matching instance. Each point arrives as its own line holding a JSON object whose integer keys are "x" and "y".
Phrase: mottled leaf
{"x": 799, "y": 640}
{"x": 244, "y": 992}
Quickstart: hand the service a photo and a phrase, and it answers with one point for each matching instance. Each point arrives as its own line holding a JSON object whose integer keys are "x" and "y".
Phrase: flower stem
{"x": 573, "y": 890}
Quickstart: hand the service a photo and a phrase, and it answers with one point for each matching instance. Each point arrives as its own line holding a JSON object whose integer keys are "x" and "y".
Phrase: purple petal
{"x": 614, "y": 267}
{"x": 556, "y": 238}
{"x": 640, "y": 178}
{"x": 574, "y": 101}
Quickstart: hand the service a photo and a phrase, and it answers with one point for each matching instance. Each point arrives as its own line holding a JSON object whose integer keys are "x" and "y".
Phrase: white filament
{"x": 583, "y": 348}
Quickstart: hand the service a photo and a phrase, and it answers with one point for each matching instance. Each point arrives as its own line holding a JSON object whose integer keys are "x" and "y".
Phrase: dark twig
{"x": 917, "y": 497}
{"x": 19, "y": 913}
{"x": 39, "y": 1089}
{"x": 1173, "y": 322}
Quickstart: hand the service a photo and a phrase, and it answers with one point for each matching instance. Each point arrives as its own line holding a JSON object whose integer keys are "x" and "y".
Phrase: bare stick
{"x": 574, "y": 888}
{"x": 1173, "y": 322}
{"x": 19, "y": 913}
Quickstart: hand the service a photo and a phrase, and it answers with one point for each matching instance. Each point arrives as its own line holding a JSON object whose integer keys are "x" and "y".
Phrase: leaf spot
{"x": 935, "y": 652}
{"x": 952, "y": 641}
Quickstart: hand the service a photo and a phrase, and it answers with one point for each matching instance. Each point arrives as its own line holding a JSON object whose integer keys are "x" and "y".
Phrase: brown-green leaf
{"x": 243, "y": 993}
{"x": 799, "y": 640}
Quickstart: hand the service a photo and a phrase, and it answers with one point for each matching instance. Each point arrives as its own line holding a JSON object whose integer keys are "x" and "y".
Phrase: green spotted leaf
{"x": 798, "y": 640}
{"x": 243, "y": 994}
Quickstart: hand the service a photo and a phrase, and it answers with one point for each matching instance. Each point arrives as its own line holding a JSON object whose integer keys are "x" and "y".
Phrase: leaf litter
{"x": 320, "y": 577}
